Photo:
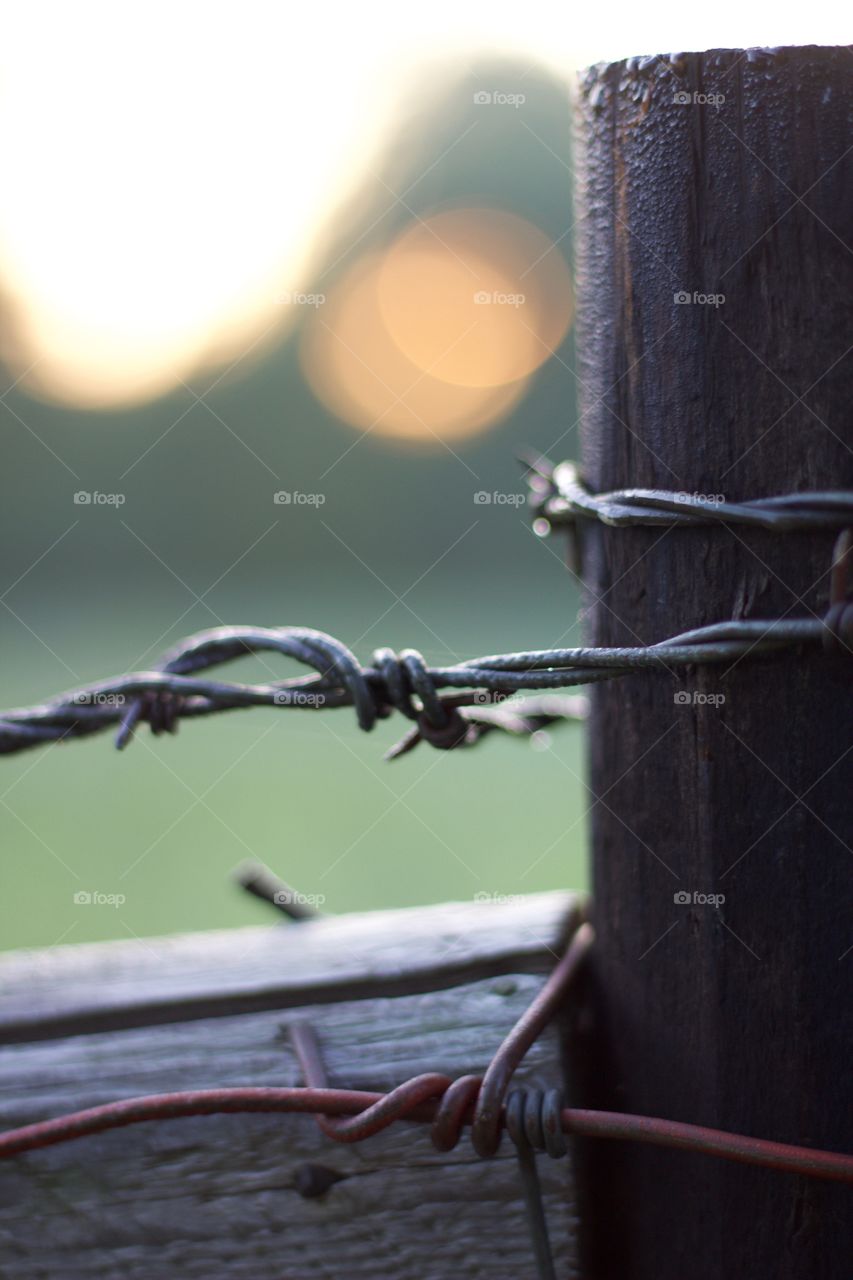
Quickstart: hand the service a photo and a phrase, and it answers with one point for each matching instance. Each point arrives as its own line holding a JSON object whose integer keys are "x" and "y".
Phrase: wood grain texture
{"x": 73, "y": 989}
{"x": 724, "y": 173}
{"x": 216, "y": 1196}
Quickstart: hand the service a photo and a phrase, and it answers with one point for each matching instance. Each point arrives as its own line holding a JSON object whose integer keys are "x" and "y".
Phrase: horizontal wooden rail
{"x": 434, "y": 989}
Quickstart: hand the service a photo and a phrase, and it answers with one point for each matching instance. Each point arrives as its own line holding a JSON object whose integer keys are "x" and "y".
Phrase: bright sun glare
{"x": 171, "y": 171}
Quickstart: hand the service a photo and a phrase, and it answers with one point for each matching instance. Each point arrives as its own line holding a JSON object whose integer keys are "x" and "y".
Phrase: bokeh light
{"x": 477, "y": 297}
{"x": 169, "y": 175}
{"x": 356, "y": 370}
{"x": 436, "y": 338}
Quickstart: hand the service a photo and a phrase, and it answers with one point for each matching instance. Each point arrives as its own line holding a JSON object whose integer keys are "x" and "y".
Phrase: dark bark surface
{"x": 734, "y": 1014}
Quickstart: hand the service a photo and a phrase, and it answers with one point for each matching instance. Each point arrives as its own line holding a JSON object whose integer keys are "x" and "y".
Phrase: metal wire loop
{"x": 533, "y": 1119}
{"x": 524, "y": 1126}
{"x": 549, "y": 1130}
{"x": 456, "y": 1104}
{"x": 486, "y": 1125}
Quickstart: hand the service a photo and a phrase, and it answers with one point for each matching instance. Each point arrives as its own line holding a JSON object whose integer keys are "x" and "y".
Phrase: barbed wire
{"x": 559, "y": 495}
{"x": 172, "y": 690}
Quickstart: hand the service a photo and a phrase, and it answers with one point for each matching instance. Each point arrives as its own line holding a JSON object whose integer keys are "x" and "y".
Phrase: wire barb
{"x": 261, "y": 882}
{"x": 176, "y": 689}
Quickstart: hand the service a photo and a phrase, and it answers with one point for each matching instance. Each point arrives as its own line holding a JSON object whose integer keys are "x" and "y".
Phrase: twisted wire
{"x": 539, "y": 1122}
{"x": 456, "y": 1098}
{"x": 352, "y": 1102}
{"x": 559, "y": 495}
{"x": 175, "y": 689}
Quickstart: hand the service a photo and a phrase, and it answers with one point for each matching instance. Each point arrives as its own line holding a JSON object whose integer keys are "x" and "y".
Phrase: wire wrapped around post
{"x": 448, "y": 1106}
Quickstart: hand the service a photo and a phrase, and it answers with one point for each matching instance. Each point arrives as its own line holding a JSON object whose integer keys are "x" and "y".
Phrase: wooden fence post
{"x": 716, "y": 309}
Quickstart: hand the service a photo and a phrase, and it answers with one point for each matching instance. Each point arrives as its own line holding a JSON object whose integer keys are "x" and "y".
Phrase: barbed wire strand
{"x": 559, "y": 495}
{"x": 435, "y": 1099}
{"x": 172, "y": 690}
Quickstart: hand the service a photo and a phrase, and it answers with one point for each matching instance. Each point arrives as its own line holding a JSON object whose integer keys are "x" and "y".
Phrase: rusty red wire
{"x": 349, "y": 1115}
{"x": 415, "y": 1100}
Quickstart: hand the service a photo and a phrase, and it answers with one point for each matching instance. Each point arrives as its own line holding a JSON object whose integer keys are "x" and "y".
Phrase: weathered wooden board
{"x": 71, "y": 989}
{"x": 216, "y": 1196}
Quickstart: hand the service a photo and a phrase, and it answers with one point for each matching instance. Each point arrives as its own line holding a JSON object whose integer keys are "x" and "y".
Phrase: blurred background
{"x": 283, "y": 297}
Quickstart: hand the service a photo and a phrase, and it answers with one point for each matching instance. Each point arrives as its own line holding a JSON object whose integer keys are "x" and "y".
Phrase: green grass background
{"x": 398, "y": 555}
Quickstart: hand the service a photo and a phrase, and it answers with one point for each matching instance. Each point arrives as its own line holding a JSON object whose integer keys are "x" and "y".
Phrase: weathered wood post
{"x": 725, "y": 178}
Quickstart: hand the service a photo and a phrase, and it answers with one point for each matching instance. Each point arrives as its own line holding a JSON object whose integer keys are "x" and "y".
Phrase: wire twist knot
{"x": 401, "y": 678}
